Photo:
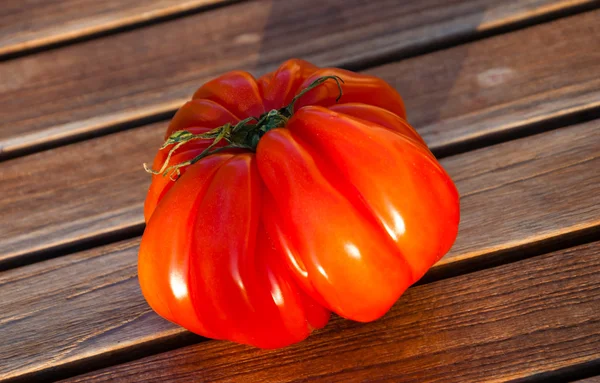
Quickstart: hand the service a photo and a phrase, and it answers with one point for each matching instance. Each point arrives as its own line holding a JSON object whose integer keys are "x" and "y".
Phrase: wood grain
{"x": 75, "y": 192}
{"x": 69, "y": 92}
{"x": 501, "y": 84}
{"x": 81, "y": 306}
{"x": 527, "y": 190}
{"x": 495, "y": 325}
{"x": 65, "y": 295}
{"x": 34, "y": 23}
{"x": 107, "y": 193}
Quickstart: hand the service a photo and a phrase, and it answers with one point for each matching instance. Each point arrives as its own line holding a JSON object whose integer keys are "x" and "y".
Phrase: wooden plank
{"x": 75, "y": 192}
{"x": 503, "y": 83}
{"x": 83, "y": 305}
{"x": 36, "y": 23}
{"x": 500, "y": 324}
{"x": 74, "y": 91}
{"x": 52, "y": 212}
{"x": 538, "y": 186}
{"x": 95, "y": 294}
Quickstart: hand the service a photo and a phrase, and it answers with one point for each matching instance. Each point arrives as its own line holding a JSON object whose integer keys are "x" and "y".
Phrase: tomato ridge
{"x": 243, "y": 135}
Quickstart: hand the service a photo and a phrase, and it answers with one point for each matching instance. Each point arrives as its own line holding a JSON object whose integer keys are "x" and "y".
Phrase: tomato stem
{"x": 243, "y": 135}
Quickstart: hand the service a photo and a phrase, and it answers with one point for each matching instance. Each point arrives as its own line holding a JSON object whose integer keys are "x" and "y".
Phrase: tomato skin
{"x": 280, "y": 87}
{"x": 357, "y": 87}
{"x": 340, "y": 210}
{"x": 207, "y": 269}
{"x": 398, "y": 180}
{"x": 343, "y": 258}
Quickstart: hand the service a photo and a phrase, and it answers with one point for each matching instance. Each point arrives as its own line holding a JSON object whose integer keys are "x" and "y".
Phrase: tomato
{"x": 278, "y": 202}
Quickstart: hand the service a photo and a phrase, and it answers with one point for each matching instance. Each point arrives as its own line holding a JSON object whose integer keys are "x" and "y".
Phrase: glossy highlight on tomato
{"x": 328, "y": 205}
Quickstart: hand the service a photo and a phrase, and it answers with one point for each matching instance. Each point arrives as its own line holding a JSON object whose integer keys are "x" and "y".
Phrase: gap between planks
{"x": 179, "y": 339}
{"x": 446, "y": 110}
{"x": 531, "y": 321}
{"x": 87, "y": 307}
{"x": 34, "y": 29}
{"x": 587, "y": 372}
{"x": 131, "y": 101}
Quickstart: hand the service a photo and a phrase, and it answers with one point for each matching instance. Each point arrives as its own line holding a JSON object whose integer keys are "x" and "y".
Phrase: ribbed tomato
{"x": 303, "y": 204}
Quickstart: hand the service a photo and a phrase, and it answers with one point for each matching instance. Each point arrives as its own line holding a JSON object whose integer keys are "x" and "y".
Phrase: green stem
{"x": 242, "y": 135}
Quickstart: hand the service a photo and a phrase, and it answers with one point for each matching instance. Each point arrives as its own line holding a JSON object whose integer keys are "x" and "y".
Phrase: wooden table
{"x": 507, "y": 94}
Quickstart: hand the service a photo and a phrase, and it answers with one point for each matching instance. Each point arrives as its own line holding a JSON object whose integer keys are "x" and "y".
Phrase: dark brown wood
{"x": 83, "y": 305}
{"x": 74, "y": 307}
{"x": 527, "y": 190}
{"x": 34, "y": 23}
{"x": 76, "y": 90}
{"x": 501, "y": 84}
{"x": 107, "y": 193}
{"x": 75, "y": 192}
{"x": 496, "y": 325}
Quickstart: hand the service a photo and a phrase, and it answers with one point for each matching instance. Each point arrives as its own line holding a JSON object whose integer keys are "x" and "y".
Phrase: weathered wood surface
{"x": 503, "y": 83}
{"x": 79, "y": 305}
{"x": 97, "y": 186}
{"x": 530, "y": 318}
{"x": 27, "y": 24}
{"x": 527, "y": 190}
{"x": 86, "y": 304}
{"x": 495, "y": 325}
{"x": 77, "y": 90}
{"x": 75, "y": 192}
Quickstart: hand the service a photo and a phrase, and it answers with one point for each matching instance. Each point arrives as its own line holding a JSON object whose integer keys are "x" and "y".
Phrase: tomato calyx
{"x": 244, "y": 135}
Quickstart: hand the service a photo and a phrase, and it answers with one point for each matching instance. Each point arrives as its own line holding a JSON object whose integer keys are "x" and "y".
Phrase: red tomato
{"x": 334, "y": 206}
